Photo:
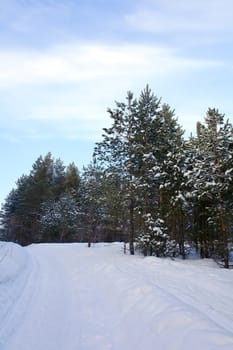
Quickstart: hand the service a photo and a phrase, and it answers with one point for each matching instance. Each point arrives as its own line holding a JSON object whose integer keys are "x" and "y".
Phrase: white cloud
{"x": 65, "y": 90}
{"x": 77, "y": 63}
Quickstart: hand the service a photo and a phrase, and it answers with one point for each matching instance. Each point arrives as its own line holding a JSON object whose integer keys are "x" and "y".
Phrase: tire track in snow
{"x": 47, "y": 321}
{"x": 191, "y": 302}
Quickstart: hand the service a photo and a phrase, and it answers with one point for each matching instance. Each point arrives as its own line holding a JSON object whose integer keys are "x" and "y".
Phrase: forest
{"x": 147, "y": 185}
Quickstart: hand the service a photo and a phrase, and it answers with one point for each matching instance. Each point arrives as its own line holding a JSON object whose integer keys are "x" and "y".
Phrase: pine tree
{"x": 59, "y": 220}
{"x": 57, "y": 178}
{"x": 159, "y": 138}
{"x": 175, "y": 168}
{"x": 211, "y": 181}
{"x": 115, "y": 152}
{"x": 155, "y": 240}
{"x": 136, "y": 146}
{"x": 72, "y": 180}
{"x": 92, "y": 202}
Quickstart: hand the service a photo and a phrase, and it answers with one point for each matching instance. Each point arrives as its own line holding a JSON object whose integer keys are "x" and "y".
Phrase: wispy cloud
{"x": 77, "y": 63}
{"x": 65, "y": 90}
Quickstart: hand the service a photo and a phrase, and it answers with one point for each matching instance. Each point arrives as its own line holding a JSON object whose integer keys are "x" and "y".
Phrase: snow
{"x": 68, "y": 296}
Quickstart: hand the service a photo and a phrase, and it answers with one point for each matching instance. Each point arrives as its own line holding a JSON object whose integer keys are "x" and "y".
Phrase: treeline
{"x": 146, "y": 185}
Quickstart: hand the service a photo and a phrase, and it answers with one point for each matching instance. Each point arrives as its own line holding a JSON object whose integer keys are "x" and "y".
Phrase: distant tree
{"x": 72, "y": 180}
{"x": 9, "y": 218}
{"x": 92, "y": 207}
{"x": 46, "y": 182}
{"x": 57, "y": 178}
{"x": 16, "y": 212}
{"x": 59, "y": 220}
{"x": 23, "y": 208}
{"x": 113, "y": 200}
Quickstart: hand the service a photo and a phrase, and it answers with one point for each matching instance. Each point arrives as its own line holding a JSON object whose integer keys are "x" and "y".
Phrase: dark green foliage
{"x": 210, "y": 182}
{"x": 135, "y": 147}
{"x": 24, "y": 207}
{"x": 72, "y": 180}
{"x": 92, "y": 208}
{"x": 59, "y": 219}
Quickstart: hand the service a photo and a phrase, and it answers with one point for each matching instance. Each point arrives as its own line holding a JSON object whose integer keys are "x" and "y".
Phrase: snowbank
{"x": 13, "y": 261}
{"x": 14, "y": 271}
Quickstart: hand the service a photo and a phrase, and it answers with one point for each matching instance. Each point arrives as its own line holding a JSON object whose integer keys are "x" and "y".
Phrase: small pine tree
{"x": 154, "y": 240}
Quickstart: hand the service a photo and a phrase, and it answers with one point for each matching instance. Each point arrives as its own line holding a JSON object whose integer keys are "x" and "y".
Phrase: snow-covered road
{"x": 76, "y": 298}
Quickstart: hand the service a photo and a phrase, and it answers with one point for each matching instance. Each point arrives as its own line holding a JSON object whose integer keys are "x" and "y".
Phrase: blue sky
{"x": 63, "y": 63}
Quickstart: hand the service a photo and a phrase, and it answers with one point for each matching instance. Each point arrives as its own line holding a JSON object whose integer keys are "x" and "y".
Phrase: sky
{"x": 63, "y": 63}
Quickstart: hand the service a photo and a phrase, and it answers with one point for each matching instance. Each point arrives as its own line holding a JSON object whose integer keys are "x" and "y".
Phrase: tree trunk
{"x": 225, "y": 240}
{"x": 131, "y": 232}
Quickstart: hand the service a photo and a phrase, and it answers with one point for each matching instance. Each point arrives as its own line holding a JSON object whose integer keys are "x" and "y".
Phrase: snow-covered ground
{"x": 70, "y": 297}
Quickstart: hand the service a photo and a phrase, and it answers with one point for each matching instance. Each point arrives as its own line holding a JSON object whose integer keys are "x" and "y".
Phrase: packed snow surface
{"x": 71, "y": 297}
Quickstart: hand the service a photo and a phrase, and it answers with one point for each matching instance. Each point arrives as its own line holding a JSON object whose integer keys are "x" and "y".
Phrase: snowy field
{"x": 70, "y": 297}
